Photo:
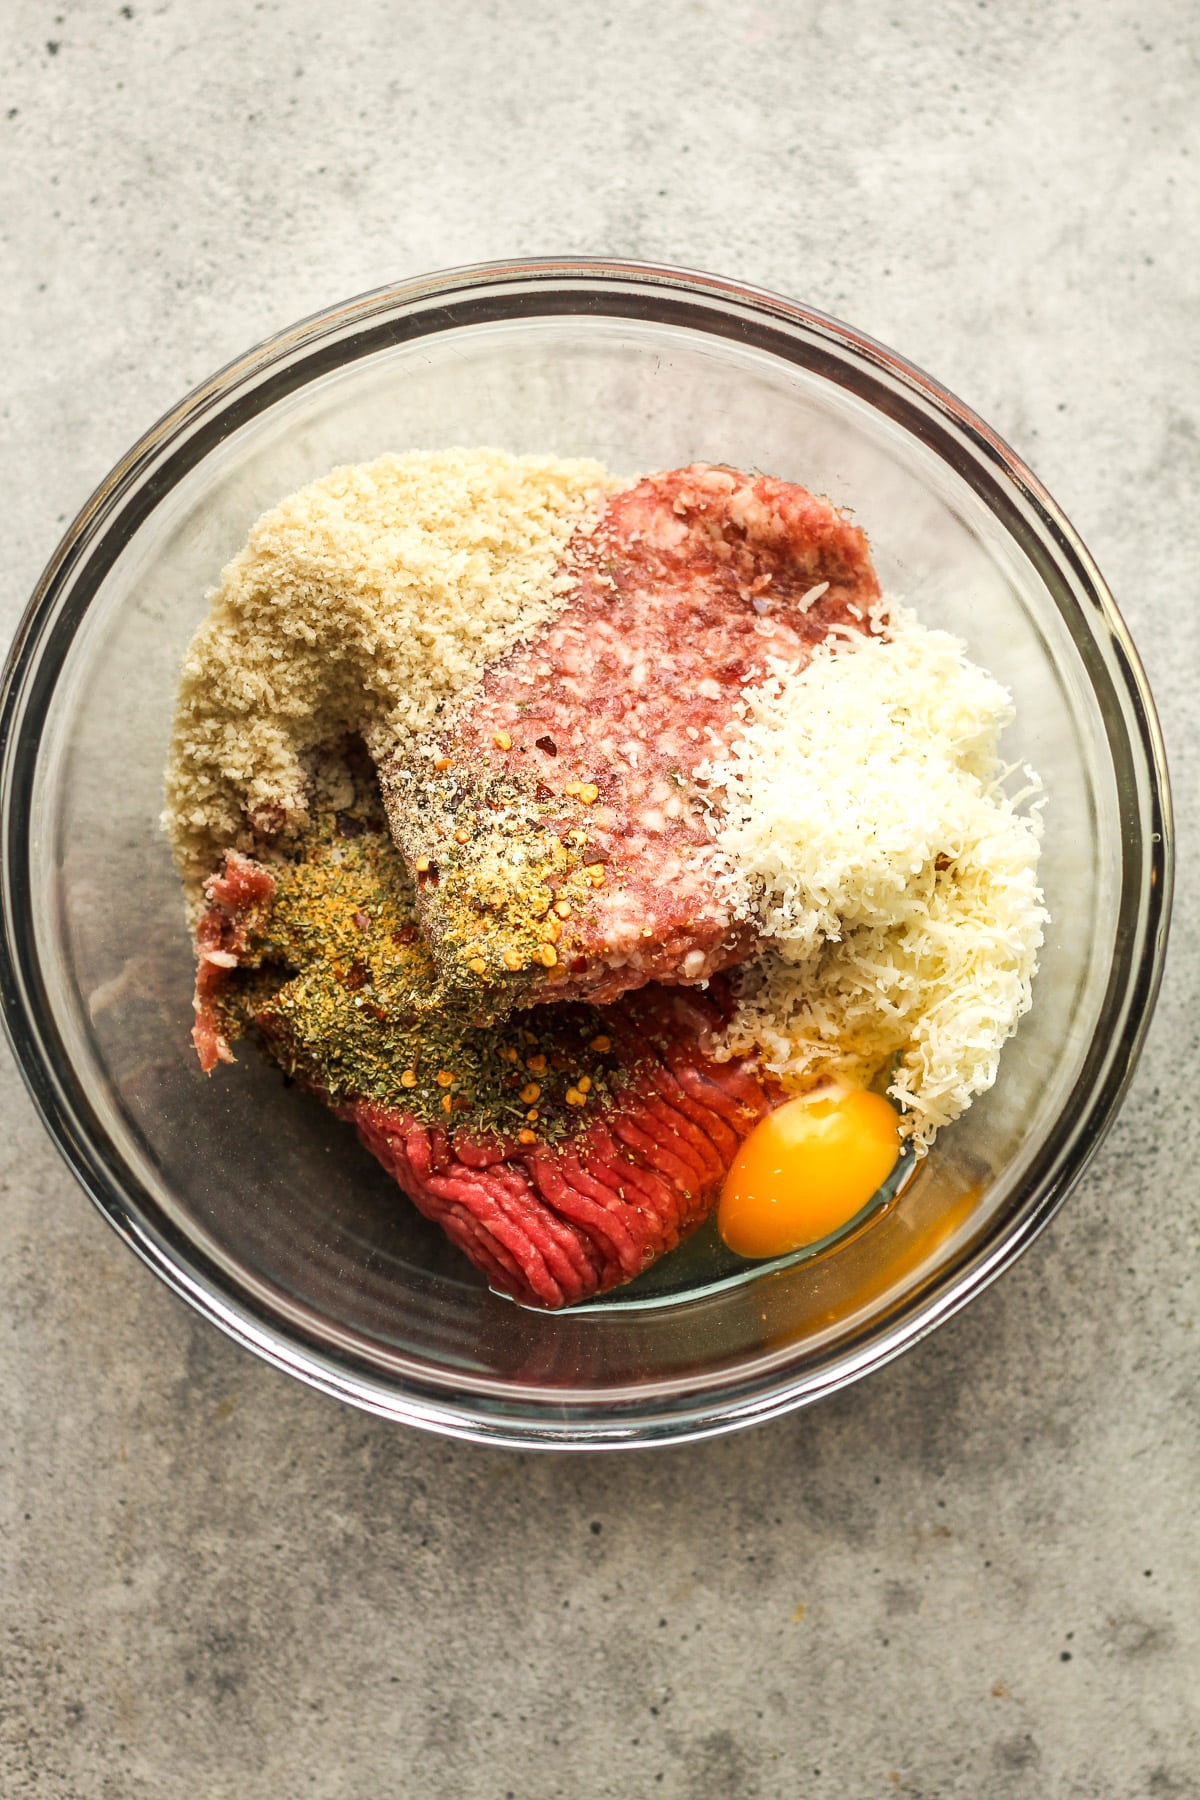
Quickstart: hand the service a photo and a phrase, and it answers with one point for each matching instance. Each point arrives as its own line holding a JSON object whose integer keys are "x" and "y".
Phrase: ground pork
{"x": 556, "y": 826}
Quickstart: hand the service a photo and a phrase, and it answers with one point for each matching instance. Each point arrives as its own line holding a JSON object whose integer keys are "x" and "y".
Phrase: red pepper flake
{"x": 357, "y": 976}
{"x": 547, "y": 744}
{"x": 362, "y": 920}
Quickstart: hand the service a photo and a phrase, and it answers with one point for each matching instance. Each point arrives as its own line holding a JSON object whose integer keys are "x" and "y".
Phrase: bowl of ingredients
{"x": 585, "y": 853}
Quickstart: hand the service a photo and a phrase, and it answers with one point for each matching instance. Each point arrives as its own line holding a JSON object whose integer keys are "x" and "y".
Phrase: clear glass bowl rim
{"x": 558, "y": 287}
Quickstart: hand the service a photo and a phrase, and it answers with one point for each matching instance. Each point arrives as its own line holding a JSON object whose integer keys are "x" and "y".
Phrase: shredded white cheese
{"x": 867, "y": 833}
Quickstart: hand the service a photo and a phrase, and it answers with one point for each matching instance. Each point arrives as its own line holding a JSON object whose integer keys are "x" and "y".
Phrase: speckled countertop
{"x": 978, "y": 1574}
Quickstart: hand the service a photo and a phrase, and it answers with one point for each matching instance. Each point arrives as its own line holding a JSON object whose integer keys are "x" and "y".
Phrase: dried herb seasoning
{"x": 505, "y": 878}
{"x": 338, "y": 981}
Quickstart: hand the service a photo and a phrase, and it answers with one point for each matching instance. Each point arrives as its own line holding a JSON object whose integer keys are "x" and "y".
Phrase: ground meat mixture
{"x": 551, "y": 841}
{"x": 557, "y": 826}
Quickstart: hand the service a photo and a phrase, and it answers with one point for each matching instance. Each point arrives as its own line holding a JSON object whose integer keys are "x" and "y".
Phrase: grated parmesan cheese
{"x": 361, "y": 603}
{"x": 866, "y": 832}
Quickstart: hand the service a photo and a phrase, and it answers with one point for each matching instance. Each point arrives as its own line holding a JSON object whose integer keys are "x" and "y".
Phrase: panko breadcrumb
{"x": 360, "y": 604}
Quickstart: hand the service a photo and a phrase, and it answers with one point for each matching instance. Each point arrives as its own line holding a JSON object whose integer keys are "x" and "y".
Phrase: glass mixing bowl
{"x": 250, "y": 1200}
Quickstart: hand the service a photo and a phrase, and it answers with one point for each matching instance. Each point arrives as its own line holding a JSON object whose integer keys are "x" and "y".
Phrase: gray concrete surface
{"x": 975, "y": 1576}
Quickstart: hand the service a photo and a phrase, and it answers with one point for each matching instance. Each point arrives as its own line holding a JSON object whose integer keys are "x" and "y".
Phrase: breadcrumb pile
{"x": 360, "y": 604}
{"x": 868, "y": 834}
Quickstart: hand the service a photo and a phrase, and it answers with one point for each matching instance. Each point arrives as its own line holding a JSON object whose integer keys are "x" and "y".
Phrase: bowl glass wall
{"x": 254, "y": 1201}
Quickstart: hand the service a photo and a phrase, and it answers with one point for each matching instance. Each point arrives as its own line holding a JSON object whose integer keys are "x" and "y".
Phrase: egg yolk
{"x": 806, "y": 1169}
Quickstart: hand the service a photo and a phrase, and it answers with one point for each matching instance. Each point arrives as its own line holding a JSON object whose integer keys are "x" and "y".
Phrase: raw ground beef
{"x": 560, "y": 1222}
{"x": 237, "y": 897}
{"x": 568, "y": 784}
{"x": 604, "y": 1189}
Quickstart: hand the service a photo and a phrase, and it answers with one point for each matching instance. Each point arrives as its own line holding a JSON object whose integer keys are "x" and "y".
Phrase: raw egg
{"x": 806, "y": 1169}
